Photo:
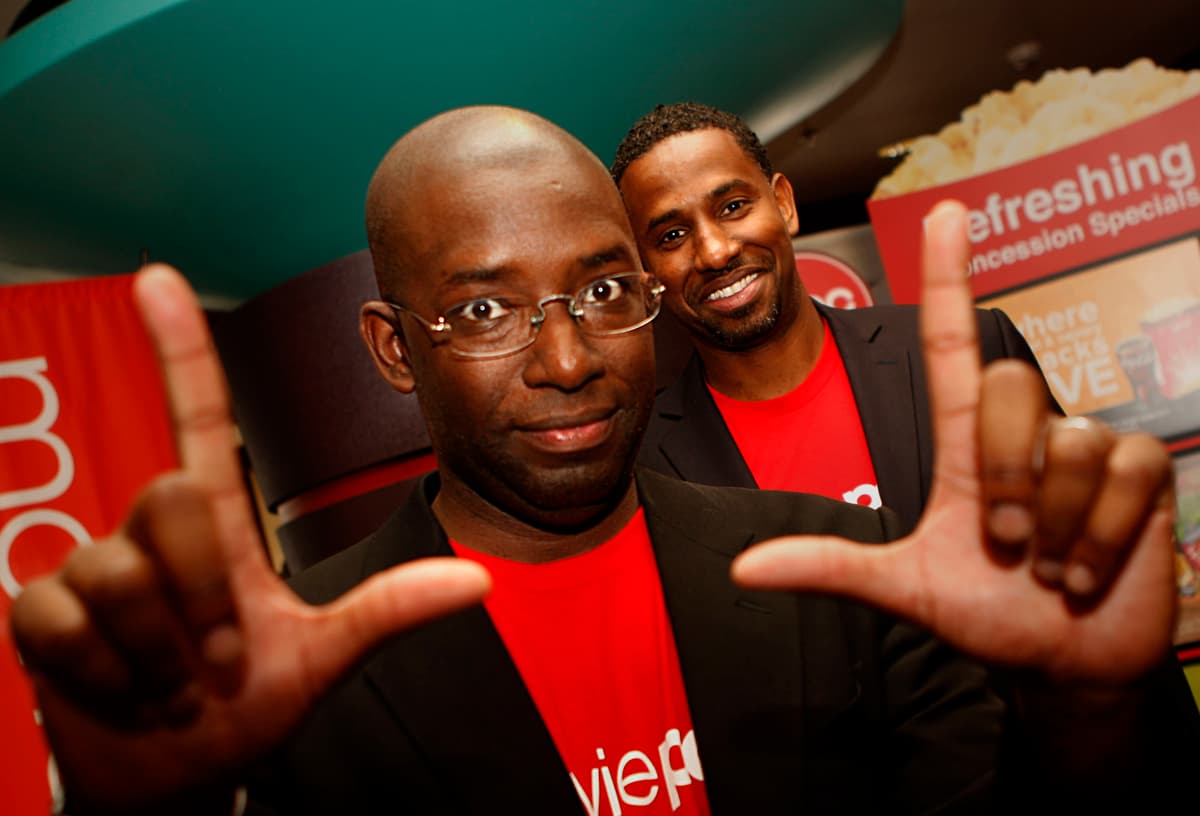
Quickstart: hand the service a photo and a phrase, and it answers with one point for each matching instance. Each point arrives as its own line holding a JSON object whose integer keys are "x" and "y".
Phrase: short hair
{"x": 668, "y": 120}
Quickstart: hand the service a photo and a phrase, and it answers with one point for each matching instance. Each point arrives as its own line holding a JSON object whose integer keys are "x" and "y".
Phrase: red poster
{"x": 83, "y": 427}
{"x": 1130, "y": 188}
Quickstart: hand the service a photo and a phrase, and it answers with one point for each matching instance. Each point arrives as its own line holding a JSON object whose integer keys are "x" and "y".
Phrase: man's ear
{"x": 379, "y": 326}
{"x": 785, "y": 199}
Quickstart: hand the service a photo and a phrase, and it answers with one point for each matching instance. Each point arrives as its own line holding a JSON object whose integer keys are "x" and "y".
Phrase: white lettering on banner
{"x": 1045, "y": 242}
{"x": 870, "y": 492}
{"x": 36, "y": 431}
{"x": 635, "y": 768}
{"x": 1072, "y": 352}
{"x": 1173, "y": 166}
{"x": 1165, "y": 181}
{"x": 1115, "y": 222}
{"x": 1034, "y": 328}
{"x": 1100, "y": 376}
{"x": 34, "y": 518}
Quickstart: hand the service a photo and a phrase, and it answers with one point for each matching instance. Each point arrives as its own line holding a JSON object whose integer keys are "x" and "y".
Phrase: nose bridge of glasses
{"x": 573, "y": 308}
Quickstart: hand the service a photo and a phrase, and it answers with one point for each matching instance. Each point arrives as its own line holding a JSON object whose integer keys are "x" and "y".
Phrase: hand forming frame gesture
{"x": 171, "y": 653}
{"x": 1046, "y": 542}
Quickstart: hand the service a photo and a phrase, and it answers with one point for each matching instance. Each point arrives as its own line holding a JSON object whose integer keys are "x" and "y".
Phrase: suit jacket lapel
{"x": 741, "y": 652}
{"x": 504, "y": 760}
{"x": 881, "y": 376}
{"x": 699, "y": 445}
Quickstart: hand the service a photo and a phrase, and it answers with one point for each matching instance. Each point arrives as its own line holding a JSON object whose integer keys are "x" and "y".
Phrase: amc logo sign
{"x": 28, "y": 500}
{"x": 831, "y": 281}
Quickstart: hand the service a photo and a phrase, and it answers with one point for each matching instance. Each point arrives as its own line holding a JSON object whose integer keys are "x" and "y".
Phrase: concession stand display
{"x": 1084, "y": 221}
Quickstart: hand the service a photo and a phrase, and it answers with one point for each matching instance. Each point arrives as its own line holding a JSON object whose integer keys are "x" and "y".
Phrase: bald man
{"x": 633, "y": 655}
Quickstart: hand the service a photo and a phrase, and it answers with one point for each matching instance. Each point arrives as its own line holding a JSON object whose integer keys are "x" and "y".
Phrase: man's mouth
{"x": 570, "y": 434}
{"x": 733, "y": 288}
{"x": 735, "y": 294}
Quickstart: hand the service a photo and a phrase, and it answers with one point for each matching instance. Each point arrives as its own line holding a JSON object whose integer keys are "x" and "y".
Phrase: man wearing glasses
{"x": 635, "y": 654}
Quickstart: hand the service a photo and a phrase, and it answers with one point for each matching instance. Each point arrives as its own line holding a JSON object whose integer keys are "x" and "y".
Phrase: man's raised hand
{"x": 1046, "y": 542}
{"x": 169, "y": 655}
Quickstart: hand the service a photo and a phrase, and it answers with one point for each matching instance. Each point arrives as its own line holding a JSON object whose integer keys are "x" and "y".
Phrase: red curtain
{"x": 83, "y": 427}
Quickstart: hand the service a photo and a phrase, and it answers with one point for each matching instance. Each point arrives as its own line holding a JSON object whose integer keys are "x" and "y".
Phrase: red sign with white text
{"x": 1121, "y": 191}
{"x": 83, "y": 426}
{"x": 832, "y": 282}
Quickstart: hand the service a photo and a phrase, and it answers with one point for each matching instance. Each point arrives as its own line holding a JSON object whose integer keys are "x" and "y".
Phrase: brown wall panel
{"x": 310, "y": 405}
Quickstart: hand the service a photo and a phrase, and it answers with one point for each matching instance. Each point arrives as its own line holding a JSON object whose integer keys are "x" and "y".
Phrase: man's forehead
{"x": 577, "y": 261}
{"x": 505, "y": 223}
{"x": 485, "y": 189}
{"x": 530, "y": 237}
{"x": 495, "y": 196}
{"x": 701, "y": 149}
{"x": 685, "y": 168}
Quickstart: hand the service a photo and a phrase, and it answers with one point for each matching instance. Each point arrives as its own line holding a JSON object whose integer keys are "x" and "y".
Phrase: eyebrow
{"x": 613, "y": 254}
{"x": 594, "y": 260}
{"x": 715, "y": 192}
{"x": 465, "y": 276}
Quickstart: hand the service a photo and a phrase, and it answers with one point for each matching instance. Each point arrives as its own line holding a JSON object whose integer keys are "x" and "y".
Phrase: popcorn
{"x": 1034, "y": 118}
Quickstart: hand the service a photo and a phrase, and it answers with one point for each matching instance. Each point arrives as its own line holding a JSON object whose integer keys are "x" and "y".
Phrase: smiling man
{"x": 782, "y": 392}
{"x": 624, "y": 661}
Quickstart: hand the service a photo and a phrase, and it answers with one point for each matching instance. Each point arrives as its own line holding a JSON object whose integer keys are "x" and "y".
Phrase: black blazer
{"x": 799, "y": 703}
{"x": 881, "y": 349}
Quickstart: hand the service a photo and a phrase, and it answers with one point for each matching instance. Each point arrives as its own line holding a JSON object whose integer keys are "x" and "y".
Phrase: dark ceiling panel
{"x": 948, "y": 54}
{"x": 235, "y": 139}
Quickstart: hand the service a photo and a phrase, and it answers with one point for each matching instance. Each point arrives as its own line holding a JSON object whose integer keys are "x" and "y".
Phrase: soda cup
{"x": 1139, "y": 360}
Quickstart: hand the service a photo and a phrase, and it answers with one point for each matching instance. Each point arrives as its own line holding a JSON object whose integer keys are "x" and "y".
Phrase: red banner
{"x": 83, "y": 427}
{"x": 1130, "y": 188}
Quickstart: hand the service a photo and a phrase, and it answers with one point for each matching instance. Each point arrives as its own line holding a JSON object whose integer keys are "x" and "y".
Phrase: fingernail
{"x": 949, "y": 212}
{"x": 1080, "y": 580}
{"x": 1048, "y": 571}
{"x": 1010, "y": 523}
{"x": 155, "y": 275}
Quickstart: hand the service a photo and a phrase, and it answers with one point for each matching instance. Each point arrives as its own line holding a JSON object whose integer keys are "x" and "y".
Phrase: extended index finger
{"x": 949, "y": 339}
{"x": 195, "y": 383}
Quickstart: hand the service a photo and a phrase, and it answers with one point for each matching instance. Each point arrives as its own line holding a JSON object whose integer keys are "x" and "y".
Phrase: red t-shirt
{"x": 809, "y": 440}
{"x": 592, "y": 641}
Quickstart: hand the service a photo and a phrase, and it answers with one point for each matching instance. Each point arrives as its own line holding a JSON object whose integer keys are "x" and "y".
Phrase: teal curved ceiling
{"x": 235, "y": 138}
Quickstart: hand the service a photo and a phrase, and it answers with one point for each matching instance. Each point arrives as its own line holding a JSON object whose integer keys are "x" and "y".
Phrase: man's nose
{"x": 561, "y": 355}
{"x": 715, "y": 247}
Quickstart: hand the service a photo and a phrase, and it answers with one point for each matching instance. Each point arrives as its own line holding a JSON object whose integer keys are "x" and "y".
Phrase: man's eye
{"x": 734, "y": 206}
{"x": 480, "y": 311}
{"x": 671, "y": 236}
{"x": 606, "y": 290}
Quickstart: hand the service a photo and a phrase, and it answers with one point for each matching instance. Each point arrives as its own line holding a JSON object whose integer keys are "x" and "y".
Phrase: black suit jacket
{"x": 881, "y": 349}
{"x": 799, "y": 703}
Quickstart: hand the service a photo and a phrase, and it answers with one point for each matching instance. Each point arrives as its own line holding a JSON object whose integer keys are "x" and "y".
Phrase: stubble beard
{"x": 738, "y": 331}
{"x": 564, "y": 499}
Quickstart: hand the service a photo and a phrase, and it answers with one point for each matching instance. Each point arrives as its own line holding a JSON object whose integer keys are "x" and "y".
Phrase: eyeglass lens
{"x": 496, "y": 324}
